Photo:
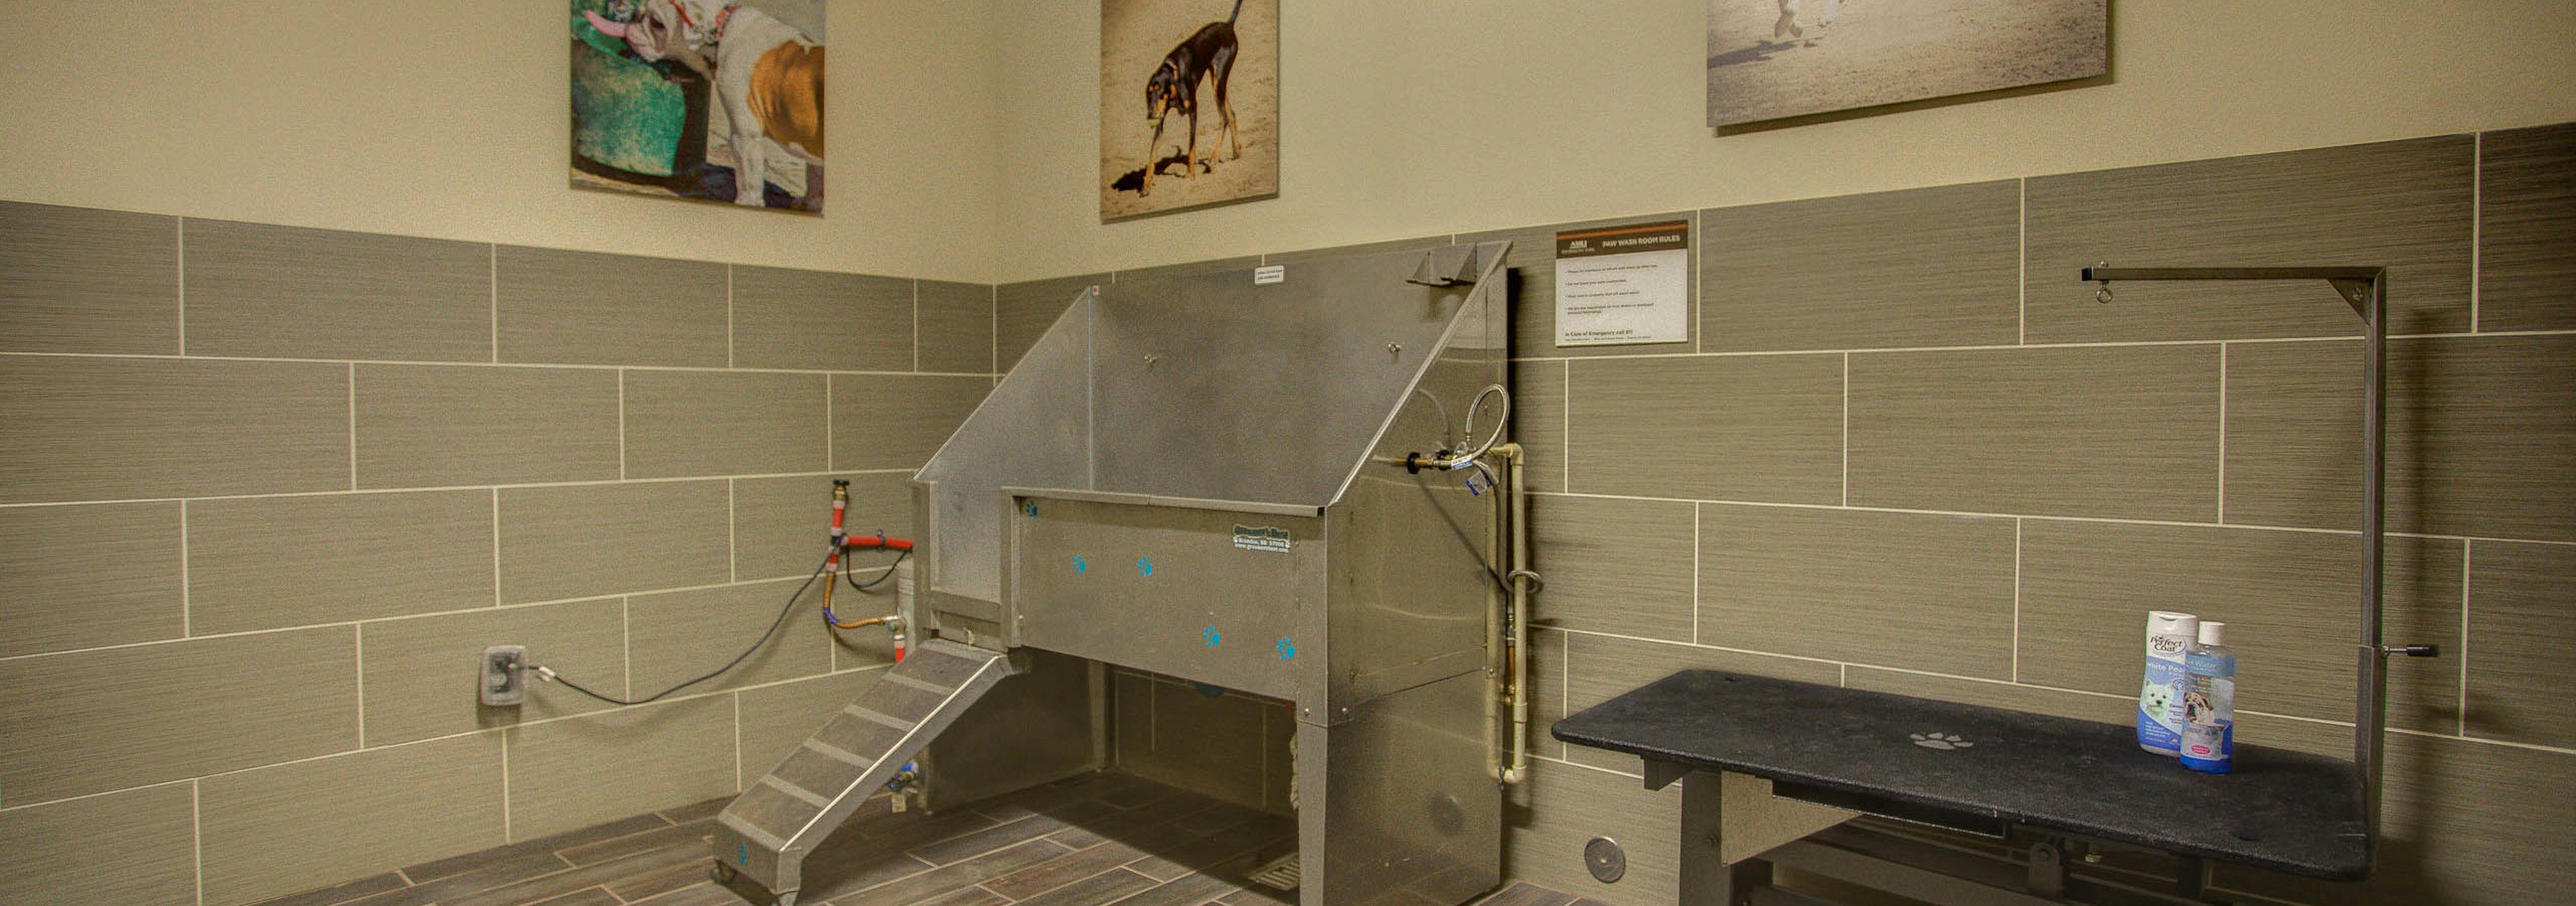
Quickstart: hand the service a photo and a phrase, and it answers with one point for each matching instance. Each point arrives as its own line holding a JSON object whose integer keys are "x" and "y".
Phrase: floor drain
{"x": 1280, "y": 874}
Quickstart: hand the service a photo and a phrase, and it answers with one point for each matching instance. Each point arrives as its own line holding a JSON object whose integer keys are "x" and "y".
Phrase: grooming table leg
{"x": 1706, "y": 879}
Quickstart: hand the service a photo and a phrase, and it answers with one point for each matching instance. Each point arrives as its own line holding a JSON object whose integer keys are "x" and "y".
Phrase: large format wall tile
{"x": 417, "y": 669}
{"x": 586, "y": 770}
{"x": 590, "y": 308}
{"x": 955, "y": 327}
{"x": 2481, "y": 436}
{"x": 1614, "y": 565}
{"x": 1022, "y": 312}
{"x": 1186, "y": 269}
{"x": 780, "y": 525}
{"x": 776, "y": 718}
{"x": 678, "y": 636}
{"x": 438, "y": 426}
{"x": 2521, "y": 653}
{"x": 718, "y": 423}
{"x": 1538, "y": 422}
{"x": 2291, "y": 602}
{"x": 109, "y": 429}
{"x": 1767, "y": 428}
{"x": 1900, "y": 589}
{"x": 822, "y": 321}
{"x": 83, "y": 280}
{"x": 88, "y": 576}
{"x": 127, "y": 717}
{"x": 1547, "y": 689}
{"x": 2109, "y": 709}
{"x": 279, "y": 830}
{"x": 1599, "y": 668}
{"x": 135, "y": 848}
{"x": 1560, "y": 808}
{"x": 2404, "y": 205}
{"x": 1339, "y": 251}
{"x": 273, "y": 562}
{"x": 2465, "y": 822}
{"x": 2527, "y": 229}
{"x": 592, "y": 540}
{"x": 2103, "y": 431}
{"x": 897, "y": 421}
{"x": 261, "y": 290}
{"x": 1532, "y": 261}
{"x": 1825, "y": 273}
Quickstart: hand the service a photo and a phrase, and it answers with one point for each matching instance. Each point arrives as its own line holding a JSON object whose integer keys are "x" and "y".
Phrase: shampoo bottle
{"x": 2209, "y": 704}
{"x": 2169, "y": 637}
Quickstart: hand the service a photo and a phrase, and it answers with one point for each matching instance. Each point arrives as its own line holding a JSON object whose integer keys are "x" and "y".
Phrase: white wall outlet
{"x": 504, "y": 678}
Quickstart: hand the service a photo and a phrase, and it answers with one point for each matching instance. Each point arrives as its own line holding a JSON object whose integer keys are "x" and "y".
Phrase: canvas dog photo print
{"x": 1773, "y": 59}
{"x": 700, "y": 99}
{"x": 1189, "y": 104}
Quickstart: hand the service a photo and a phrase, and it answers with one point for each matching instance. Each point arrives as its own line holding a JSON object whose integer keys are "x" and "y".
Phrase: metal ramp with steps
{"x": 765, "y": 835}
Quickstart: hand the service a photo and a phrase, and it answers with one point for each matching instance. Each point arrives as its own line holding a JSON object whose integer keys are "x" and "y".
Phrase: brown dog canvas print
{"x": 1189, "y": 104}
{"x": 700, "y": 99}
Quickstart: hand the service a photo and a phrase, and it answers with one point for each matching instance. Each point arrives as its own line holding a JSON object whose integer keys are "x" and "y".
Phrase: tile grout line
{"x": 626, "y": 643}
{"x": 353, "y": 426}
{"x": 2477, "y": 222}
{"x": 358, "y": 644}
{"x": 2468, "y": 551}
{"x": 496, "y": 548}
{"x": 187, "y": 625}
{"x": 1565, "y": 433}
{"x": 180, "y": 242}
{"x": 596, "y": 482}
{"x": 2016, "y": 636}
{"x": 1695, "y": 558}
{"x": 2222, "y": 434}
{"x": 197, "y": 837}
{"x": 1846, "y": 501}
{"x": 2021, "y": 334}
{"x": 505, "y": 788}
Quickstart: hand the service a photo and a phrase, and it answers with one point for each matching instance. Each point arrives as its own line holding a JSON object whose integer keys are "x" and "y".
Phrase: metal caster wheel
{"x": 723, "y": 874}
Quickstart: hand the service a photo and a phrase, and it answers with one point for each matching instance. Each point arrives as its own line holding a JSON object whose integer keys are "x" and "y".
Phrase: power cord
{"x": 549, "y": 673}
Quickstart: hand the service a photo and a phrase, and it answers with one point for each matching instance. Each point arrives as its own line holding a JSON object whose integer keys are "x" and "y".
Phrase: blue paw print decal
{"x": 1213, "y": 637}
{"x": 1287, "y": 649}
{"x": 1144, "y": 566}
{"x": 1078, "y": 565}
{"x": 1029, "y": 508}
{"x": 742, "y": 854}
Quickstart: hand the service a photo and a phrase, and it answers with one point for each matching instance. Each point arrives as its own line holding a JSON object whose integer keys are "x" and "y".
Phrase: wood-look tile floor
{"x": 1106, "y": 838}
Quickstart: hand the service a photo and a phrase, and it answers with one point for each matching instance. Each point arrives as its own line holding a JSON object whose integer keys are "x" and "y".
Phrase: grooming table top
{"x": 1983, "y": 769}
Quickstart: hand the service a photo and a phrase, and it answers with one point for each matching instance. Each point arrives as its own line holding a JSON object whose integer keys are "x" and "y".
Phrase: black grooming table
{"x": 1984, "y": 769}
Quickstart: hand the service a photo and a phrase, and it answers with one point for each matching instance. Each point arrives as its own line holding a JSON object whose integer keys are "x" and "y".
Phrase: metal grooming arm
{"x": 2366, "y": 290}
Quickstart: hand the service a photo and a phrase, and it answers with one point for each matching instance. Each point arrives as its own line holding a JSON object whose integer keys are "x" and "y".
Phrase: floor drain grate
{"x": 1280, "y": 874}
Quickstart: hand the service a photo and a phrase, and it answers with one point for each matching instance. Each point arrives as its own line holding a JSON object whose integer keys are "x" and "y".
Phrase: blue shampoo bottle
{"x": 2209, "y": 702}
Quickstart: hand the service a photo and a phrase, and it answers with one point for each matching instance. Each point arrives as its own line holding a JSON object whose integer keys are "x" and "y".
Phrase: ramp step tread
{"x": 887, "y": 720}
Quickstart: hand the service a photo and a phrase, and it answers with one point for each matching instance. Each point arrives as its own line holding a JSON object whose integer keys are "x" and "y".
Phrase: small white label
{"x": 1266, "y": 538}
{"x": 1264, "y": 276}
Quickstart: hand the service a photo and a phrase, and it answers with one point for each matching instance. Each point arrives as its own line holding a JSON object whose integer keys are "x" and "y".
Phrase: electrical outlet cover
{"x": 504, "y": 679}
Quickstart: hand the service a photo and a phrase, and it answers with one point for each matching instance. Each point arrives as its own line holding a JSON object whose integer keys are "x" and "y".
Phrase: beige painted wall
{"x": 448, "y": 120}
{"x": 1420, "y": 118}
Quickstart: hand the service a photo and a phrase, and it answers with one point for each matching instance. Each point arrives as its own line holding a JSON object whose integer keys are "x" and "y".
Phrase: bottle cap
{"x": 2166, "y": 622}
{"x": 2213, "y": 633}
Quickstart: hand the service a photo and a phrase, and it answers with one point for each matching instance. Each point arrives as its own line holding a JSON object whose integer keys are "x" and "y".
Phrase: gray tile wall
{"x": 1966, "y": 481}
{"x": 251, "y": 547}
{"x": 1908, "y": 451}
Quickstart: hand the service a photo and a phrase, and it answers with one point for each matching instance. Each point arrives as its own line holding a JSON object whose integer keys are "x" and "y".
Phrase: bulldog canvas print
{"x": 1189, "y": 104}
{"x": 700, "y": 99}
{"x": 1775, "y": 59}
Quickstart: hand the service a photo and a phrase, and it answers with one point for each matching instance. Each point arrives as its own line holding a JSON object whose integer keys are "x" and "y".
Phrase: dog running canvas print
{"x": 701, "y": 99}
{"x": 1189, "y": 104}
{"x": 1776, "y": 59}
